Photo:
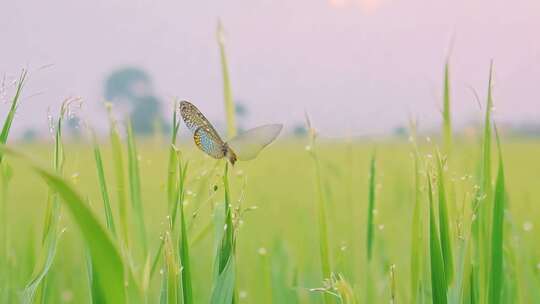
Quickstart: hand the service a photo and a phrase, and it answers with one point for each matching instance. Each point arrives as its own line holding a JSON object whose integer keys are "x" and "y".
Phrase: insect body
{"x": 245, "y": 146}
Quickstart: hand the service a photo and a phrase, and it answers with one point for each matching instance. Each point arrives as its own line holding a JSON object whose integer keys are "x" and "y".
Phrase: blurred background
{"x": 359, "y": 67}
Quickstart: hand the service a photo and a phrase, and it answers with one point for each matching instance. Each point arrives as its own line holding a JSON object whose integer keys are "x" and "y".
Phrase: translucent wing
{"x": 208, "y": 141}
{"x": 248, "y": 144}
{"x": 193, "y": 118}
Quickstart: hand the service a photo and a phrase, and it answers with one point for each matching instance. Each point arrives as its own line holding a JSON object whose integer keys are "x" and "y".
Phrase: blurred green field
{"x": 278, "y": 243}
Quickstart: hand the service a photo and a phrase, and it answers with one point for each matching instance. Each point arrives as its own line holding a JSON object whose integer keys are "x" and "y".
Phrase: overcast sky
{"x": 357, "y": 66}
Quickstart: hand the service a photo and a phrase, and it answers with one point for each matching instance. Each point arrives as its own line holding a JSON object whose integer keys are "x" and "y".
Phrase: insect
{"x": 245, "y": 146}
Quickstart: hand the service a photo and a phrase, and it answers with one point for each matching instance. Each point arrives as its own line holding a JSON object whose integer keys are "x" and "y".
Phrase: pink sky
{"x": 357, "y": 66}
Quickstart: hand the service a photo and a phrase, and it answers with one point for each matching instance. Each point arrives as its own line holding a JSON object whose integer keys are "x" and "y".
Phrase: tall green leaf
{"x": 173, "y": 176}
{"x": 105, "y": 256}
{"x": 135, "y": 190}
{"x": 118, "y": 160}
{"x": 417, "y": 231}
{"x": 496, "y": 276}
{"x": 444, "y": 225}
{"x": 227, "y": 93}
{"x": 447, "y": 121}
{"x": 12, "y": 110}
{"x": 109, "y": 219}
{"x": 321, "y": 211}
{"x": 438, "y": 279}
{"x": 224, "y": 279}
{"x": 187, "y": 290}
{"x": 371, "y": 208}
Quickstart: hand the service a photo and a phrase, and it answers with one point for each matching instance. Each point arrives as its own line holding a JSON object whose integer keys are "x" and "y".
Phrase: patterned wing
{"x": 193, "y": 118}
{"x": 247, "y": 145}
{"x": 208, "y": 141}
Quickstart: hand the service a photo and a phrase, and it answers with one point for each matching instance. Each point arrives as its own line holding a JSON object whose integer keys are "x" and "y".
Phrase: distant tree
{"x": 29, "y": 135}
{"x": 400, "y": 131}
{"x": 132, "y": 87}
{"x": 299, "y": 130}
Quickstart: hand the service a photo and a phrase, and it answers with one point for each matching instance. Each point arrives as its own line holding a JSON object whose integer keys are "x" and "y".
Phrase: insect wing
{"x": 248, "y": 144}
{"x": 193, "y": 118}
{"x": 208, "y": 141}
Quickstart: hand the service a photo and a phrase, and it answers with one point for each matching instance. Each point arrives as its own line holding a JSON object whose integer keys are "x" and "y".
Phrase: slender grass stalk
{"x": 171, "y": 272}
{"x": 482, "y": 202}
{"x": 393, "y": 288}
{"x": 323, "y": 226}
{"x": 227, "y": 92}
{"x": 326, "y": 269}
{"x": 187, "y": 290}
{"x": 12, "y": 110}
{"x": 496, "y": 276}
{"x": 444, "y": 224}
{"x": 52, "y": 217}
{"x": 173, "y": 175}
{"x": 371, "y": 207}
{"x": 135, "y": 190}
{"x": 109, "y": 219}
{"x": 118, "y": 160}
{"x": 41, "y": 268}
{"x": 447, "y": 121}
{"x": 438, "y": 279}
{"x": 172, "y": 172}
{"x": 417, "y": 231}
{"x": 225, "y": 264}
{"x": 5, "y": 177}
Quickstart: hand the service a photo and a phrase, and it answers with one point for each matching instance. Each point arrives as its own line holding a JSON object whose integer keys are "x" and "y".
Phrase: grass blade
{"x": 496, "y": 276}
{"x": 444, "y": 225}
{"x": 5, "y": 177}
{"x": 371, "y": 207}
{"x": 116, "y": 145}
{"x": 109, "y": 219}
{"x": 438, "y": 279}
{"x": 447, "y": 120}
{"x": 187, "y": 290}
{"x": 171, "y": 271}
{"x": 326, "y": 269}
{"x": 224, "y": 278}
{"x": 12, "y": 110}
{"x": 227, "y": 93}
{"x": 135, "y": 190}
{"x": 223, "y": 289}
{"x": 482, "y": 202}
{"x": 172, "y": 180}
{"x": 41, "y": 268}
{"x": 417, "y": 231}
{"x": 106, "y": 257}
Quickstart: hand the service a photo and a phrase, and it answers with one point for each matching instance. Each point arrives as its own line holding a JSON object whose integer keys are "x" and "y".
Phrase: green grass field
{"x": 278, "y": 243}
{"x": 133, "y": 220}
